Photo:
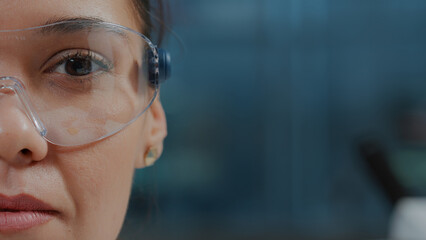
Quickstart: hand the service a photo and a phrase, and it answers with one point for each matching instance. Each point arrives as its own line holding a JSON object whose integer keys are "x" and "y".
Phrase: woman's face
{"x": 87, "y": 187}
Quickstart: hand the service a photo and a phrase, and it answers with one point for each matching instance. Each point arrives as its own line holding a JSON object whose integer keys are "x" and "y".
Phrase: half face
{"x": 52, "y": 192}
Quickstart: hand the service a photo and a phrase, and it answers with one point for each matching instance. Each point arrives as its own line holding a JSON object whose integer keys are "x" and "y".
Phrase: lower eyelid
{"x": 74, "y": 84}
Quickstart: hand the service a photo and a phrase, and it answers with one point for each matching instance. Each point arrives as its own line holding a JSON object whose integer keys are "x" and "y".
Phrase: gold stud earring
{"x": 151, "y": 157}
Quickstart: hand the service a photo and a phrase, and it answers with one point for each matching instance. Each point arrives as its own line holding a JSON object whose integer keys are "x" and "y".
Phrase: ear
{"x": 155, "y": 132}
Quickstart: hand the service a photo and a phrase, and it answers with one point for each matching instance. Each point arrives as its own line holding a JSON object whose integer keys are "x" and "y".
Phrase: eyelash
{"x": 102, "y": 62}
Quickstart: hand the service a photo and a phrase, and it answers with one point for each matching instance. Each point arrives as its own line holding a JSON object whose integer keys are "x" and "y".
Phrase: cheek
{"x": 99, "y": 180}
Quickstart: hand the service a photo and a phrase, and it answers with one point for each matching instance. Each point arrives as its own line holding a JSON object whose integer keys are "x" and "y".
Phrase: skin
{"x": 88, "y": 185}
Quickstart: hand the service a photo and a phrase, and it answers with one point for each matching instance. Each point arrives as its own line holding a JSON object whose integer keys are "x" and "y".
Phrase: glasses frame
{"x": 155, "y": 62}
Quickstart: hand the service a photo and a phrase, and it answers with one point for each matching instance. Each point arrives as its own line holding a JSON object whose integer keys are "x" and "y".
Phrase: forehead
{"x": 18, "y": 14}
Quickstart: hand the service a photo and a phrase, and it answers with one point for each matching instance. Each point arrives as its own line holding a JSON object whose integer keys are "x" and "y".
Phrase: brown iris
{"x": 78, "y": 66}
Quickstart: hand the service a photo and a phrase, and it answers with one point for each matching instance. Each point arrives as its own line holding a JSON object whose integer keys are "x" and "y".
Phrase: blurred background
{"x": 288, "y": 119}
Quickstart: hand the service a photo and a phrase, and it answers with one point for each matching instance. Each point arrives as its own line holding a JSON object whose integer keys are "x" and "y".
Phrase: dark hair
{"x": 153, "y": 16}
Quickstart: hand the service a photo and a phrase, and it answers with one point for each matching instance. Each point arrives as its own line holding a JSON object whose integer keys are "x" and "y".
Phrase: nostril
{"x": 26, "y": 152}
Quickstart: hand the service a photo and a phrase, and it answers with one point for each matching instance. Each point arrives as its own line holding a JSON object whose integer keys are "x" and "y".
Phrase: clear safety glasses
{"x": 80, "y": 81}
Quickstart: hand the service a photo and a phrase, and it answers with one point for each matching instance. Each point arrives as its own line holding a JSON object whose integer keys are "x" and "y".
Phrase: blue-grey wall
{"x": 266, "y": 104}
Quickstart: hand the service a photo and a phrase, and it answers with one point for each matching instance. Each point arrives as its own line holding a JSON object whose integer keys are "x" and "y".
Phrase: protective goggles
{"x": 81, "y": 81}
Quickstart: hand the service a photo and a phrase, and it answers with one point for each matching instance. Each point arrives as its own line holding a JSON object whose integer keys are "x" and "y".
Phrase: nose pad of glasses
{"x": 12, "y": 87}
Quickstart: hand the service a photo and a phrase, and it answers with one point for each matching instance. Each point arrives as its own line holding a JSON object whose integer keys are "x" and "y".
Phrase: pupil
{"x": 78, "y": 67}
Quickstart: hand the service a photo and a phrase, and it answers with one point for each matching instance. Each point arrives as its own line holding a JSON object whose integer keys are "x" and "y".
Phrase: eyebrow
{"x": 76, "y": 24}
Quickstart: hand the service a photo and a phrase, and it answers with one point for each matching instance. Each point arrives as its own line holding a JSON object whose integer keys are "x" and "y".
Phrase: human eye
{"x": 77, "y": 70}
{"x": 79, "y": 63}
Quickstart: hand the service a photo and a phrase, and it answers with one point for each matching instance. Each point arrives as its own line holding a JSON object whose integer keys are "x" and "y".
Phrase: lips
{"x": 22, "y": 212}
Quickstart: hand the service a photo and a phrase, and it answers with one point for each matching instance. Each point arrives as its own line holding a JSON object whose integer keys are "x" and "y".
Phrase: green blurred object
{"x": 409, "y": 166}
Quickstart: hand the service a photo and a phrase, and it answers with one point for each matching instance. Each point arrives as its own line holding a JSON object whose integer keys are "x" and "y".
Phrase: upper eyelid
{"x": 64, "y": 54}
{"x": 77, "y": 54}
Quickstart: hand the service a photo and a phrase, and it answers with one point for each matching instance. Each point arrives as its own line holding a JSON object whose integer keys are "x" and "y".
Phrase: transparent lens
{"x": 85, "y": 81}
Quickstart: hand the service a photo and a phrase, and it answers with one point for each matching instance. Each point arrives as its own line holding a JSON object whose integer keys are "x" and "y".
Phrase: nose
{"x": 20, "y": 142}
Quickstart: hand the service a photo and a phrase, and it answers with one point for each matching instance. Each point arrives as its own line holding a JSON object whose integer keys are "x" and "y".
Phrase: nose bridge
{"x": 13, "y": 96}
{"x": 11, "y": 110}
{"x": 13, "y": 123}
{"x": 15, "y": 49}
{"x": 17, "y": 133}
{"x": 11, "y": 64}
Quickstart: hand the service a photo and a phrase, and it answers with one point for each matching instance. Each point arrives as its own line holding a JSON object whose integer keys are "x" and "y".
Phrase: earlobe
{"x": 151, "y": 157}
{"x": 155, "y": 133}
{"x": 148, "y": 158}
